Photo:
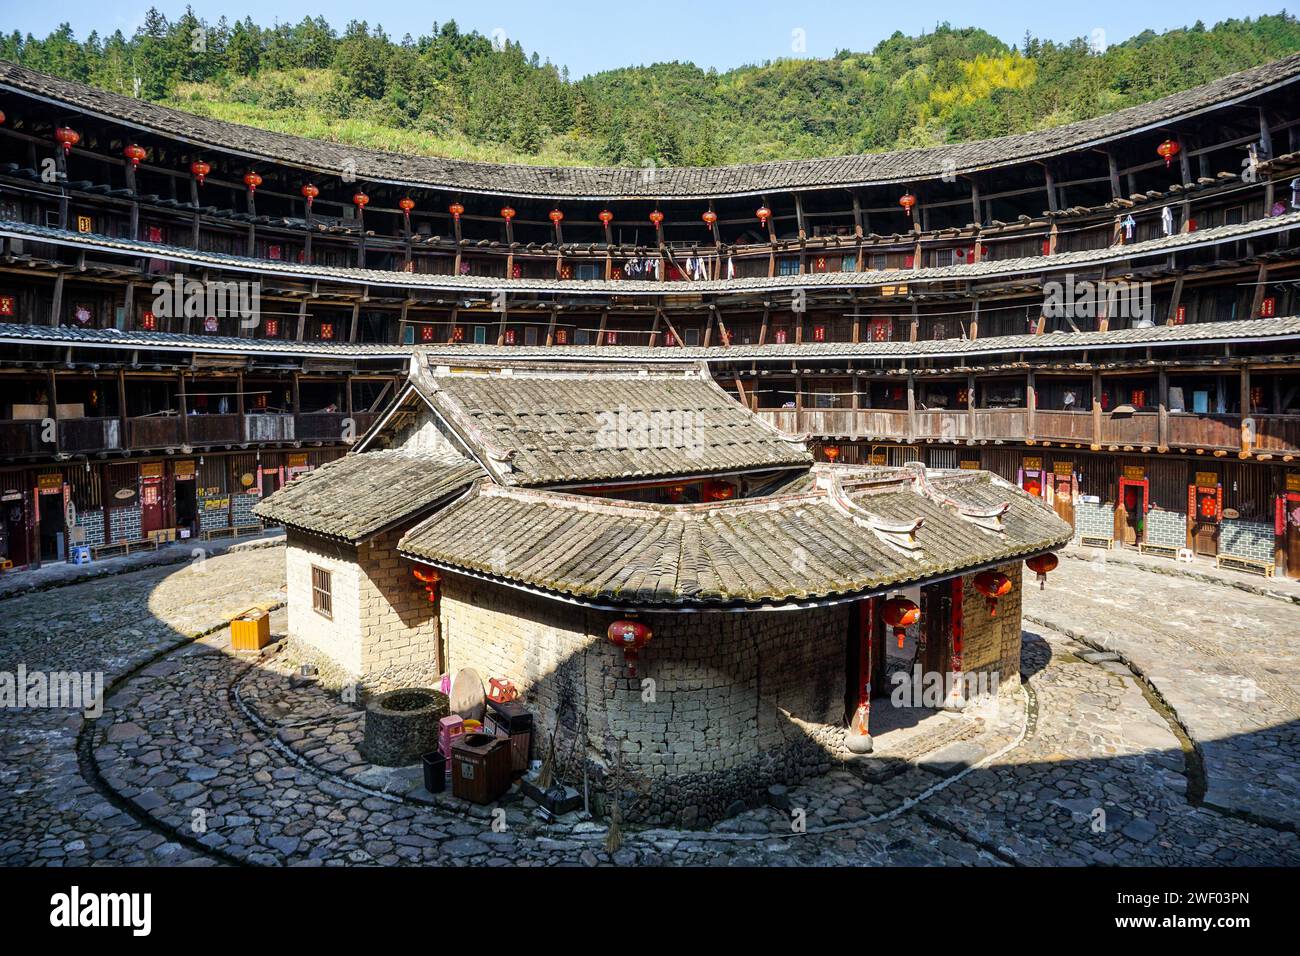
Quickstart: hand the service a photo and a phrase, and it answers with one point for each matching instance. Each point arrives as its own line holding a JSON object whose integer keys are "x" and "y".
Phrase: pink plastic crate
{"x": 449, "y": 728}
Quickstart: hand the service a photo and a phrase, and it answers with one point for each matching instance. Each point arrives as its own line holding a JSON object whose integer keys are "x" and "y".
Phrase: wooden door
{"x": 1291, "y": 537}
{"x": 1205, "y": 521}
{"x": 151, "y": 506}
{"x": 1130, "y": 512}
{"x": 1063, "y": 497}
{"x": 937, "y": 622}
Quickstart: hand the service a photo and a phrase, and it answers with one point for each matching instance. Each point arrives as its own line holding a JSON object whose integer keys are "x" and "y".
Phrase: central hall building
{"x": 503, "y": 517}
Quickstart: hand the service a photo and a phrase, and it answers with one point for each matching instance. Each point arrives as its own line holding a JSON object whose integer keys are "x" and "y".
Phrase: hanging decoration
{"x": 657, "y": 218}
{"x": 606, "y": 217}
{"x": 406, "y": 204}
{"x": 135, "y": 153}
{"x": 507, "y": 213}
{"x": 1042, "y": 565}
{"x": 907, "y": 201}
{"x": 631, "y": 636}
{"x": 716, "y": 490}
{"x": 68, "y": 136}
{"x": 252, "y": 180}
{"x": 710, "y": 218}
{"x": 456, "y": 210}
{"x": 993, "y": 585}
{"x": 900, "y": 614}
{"x": 310, "y": 192}
{"x": 360, "y": 200}
{"x": 2, "y": 117}
{"x": 200, "y": 169}
{"x": 429, "y": 578}
{"x": 763, "y": 214}
{"x": 1168, "y": 150}
{"x": 831, "y": 452}
{"x": 556, "y": 216}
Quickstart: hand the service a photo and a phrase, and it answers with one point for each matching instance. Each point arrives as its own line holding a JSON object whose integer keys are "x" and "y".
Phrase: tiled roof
{"x": 666, "y": 183}
{"x": 14, "y": 333}
{"x": 355, "y": 496}
{"x": 558, "y": 425}
{"x": 842, "y": 538}
{"x": 1280, "y": 327}
{"x": 987, "y": 269}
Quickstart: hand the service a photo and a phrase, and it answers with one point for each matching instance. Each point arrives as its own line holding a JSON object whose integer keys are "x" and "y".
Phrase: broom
{"x": 546, "y": 776}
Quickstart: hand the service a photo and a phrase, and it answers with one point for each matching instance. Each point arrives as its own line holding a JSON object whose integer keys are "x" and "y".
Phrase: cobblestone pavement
{"x": 1226, "y": 661}
{"x": 49, "y": 811}
{"x": 1077, "y": 768}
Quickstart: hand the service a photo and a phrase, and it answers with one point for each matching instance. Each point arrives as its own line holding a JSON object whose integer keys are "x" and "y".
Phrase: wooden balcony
{"x": 22, "y": 438}
{"x": 319, "y": 426}
{"x": 154, "y": 431}
{"x": 1204, "y": 431}
{"x": 1063, "y": 426}
{"x": 1277, "y": 433}
{"x": 1137, "y": 428}
{"x": 268, "y": 427}
{"x": 895, "y": 424}
{"x": 214, "y": 429}
{"x": 90, "y": 434}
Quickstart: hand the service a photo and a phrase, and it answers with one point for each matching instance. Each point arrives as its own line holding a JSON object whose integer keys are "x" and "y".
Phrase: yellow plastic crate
{"x": 251, "y": 631}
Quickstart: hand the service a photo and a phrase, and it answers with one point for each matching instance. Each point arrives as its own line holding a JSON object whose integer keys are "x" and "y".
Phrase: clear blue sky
{"x": 592, "y": 35}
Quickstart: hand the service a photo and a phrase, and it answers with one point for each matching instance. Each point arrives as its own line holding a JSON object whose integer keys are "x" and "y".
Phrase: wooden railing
{"x": 1277, "y": 433}
{"x": 213, "y": 429}
{"x": 319, "y": 426}
{"x": 1204, "y": 431}
{"x": 1138, "y": 428}
{"x": 268, "y": 426}
{"x": 154, "y": 431}
{"x": 90, "y": 434}
{"x": 1063, "y": 426}
{"x": 20, "y": 438}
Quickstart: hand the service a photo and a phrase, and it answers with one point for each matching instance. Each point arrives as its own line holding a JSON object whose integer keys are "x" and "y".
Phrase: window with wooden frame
{"x": 322, "y": 596}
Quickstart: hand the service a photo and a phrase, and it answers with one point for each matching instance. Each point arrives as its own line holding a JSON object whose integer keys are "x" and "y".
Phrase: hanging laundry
{"x": 1167, "y": 221}
{"x": 1129, "y": 225}
{"x": 1295, "y": 193}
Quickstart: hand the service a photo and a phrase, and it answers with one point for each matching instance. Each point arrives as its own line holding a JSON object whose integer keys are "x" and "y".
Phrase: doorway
{"x": 151, "y": 506}
{"x": 187, "y": 505}
{"x": 15, "y": 530}
{"x": 1291, "y": 539}
{"x": 1205, "y": 518}
{"x": 1063, "y": 497}
{"x": 1131, "y": 512}
{"x": 50, "y": 520}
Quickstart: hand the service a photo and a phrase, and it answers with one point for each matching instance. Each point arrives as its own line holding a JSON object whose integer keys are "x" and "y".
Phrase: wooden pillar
{"x": 1247, "y": 429}
{"x": 1031, "y": 404}
{"x": 1096, "y": 411}
{"x": 1162, "y": 424}
{"x": 1049, "y": 183}
{"x": 1265, "y": 136}
{"x": 56, "y": 303}
{"x": 1257, "y": 300}
{"x": 302, "y": 320}
{"x": 1113, "y": 168}
{"x": 975, "y": 202}
{"x": 1175, "y": 300}
{"x": 184, "y": 408}
{"x": 974, "y": 319}
{"x": 911, "y": 405}
{"x": 799, "y": 218}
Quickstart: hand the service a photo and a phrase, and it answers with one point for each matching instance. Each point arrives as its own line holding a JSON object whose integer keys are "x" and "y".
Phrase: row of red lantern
{"x": 901, "y": 613}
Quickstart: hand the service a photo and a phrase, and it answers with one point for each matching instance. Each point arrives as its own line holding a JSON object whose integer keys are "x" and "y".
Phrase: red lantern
{"x": 252, "y": 180}
{"x": 2, "y": 117}
{"x": 200, "y": 169}
{"x": 310, "y": 192}
{"x": 406, "y": 204}
{"x": 993, "y": 585}
{"x": 907, "y": 201}
{"x": 1041, "y": 564}
{"x": 710, "y": 218}
{"x": 657, "y": 218}
{"x": 507, "y": 213}
{"x": 631, "y": 636}
{"x": 456, "y": 209}
{"x": 429, "y": 578}
{"x": 68, "y": 137}
{"x": 1168, "y": 150}
{"x": 606, "y": 216}
{"x": 900, "y": 614}
{"x": 719, "y": 490}
{"x": 360, "y": 200}
{"x": 831, "y": 453}
{"x": 556, "y": 216}
{"x": 135, "y": 154}
{"x": 763, "y": 214}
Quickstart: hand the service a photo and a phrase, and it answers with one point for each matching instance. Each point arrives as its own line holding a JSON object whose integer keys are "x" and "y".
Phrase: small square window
{"x": 322, "y": 596}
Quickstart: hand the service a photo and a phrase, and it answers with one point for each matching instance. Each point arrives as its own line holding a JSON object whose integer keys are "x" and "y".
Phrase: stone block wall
{"x": 217, "y": 516}
{"x": 384, "y": 633}
{"x": 93, "y": 522}
{"x": 125, "y": 523}
{"x": 243, "y": 506}
{"x": 399, "y": 633}
{"x": 1093, "y": 519}
{"x": 1247, "y": 539}
{"x": 723, "y": 704}
{"x": 991, "y": 643}
{"x": 338, "y": 638}
{"x": 1168, "y": 528}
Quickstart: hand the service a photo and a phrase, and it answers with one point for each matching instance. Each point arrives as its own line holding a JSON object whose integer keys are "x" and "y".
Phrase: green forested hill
{"x": 454, "y": 94}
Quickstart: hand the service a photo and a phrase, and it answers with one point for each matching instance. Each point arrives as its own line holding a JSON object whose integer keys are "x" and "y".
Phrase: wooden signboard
{"x": 1063, "y": 468}
{"x": 298, "y": 461}
{"x": 184, "y": 469}
{"x": 50, "y": 483}
{"x": 1032, "y": 464}
{"x": 151, "y": 469}
{"x": 1206, "y": 479}
{"x": 970, "y": 465}
{"x": 1135, "y": 472}
{"x": 1293, "y": 482}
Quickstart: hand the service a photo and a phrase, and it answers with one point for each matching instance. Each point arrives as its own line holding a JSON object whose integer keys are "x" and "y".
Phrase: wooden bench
{"x": 233, "y": 531}
{"x": 1162, "y": 550}
{"x": 1096, "y": 541}
{"x": 117, "y": 548}
{"x": 1250, "y": 565}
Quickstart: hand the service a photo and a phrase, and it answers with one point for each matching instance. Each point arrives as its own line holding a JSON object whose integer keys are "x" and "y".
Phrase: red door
{"x": 151, "y": 506}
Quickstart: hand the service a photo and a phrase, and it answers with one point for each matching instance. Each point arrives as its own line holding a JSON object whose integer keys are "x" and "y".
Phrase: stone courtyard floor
{"x": 1156, "y": 725}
